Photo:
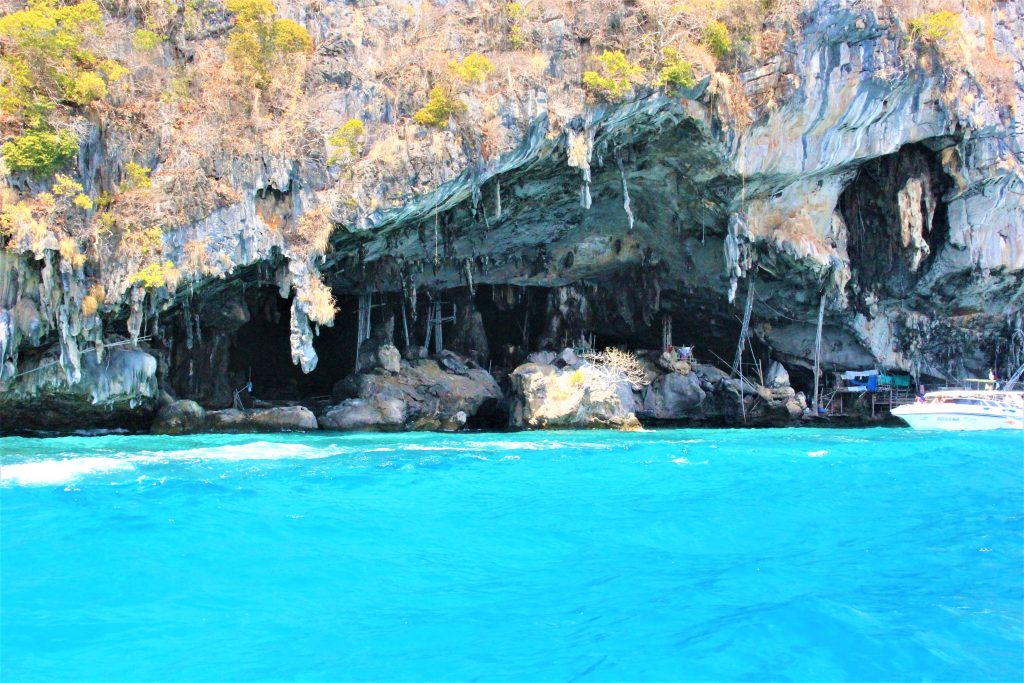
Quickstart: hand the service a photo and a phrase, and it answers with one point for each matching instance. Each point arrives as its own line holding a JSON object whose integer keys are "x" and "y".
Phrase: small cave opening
{"x": 896, "y": 218}
{"x": 261, "y": 351}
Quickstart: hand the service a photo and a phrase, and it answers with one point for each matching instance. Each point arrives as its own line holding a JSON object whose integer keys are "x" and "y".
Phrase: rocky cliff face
{"x": 852, "y": 165}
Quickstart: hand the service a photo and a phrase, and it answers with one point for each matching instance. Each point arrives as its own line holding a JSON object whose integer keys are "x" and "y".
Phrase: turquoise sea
{"x": 710, "y": 555}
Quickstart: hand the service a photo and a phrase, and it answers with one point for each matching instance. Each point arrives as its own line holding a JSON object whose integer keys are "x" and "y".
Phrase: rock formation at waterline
{"x": 848, "y": 156}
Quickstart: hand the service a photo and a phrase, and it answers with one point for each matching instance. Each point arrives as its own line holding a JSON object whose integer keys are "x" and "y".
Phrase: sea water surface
{"x": 800, "y": 554}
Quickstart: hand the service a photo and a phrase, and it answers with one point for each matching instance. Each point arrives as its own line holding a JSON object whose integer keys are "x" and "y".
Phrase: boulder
{"x": 544, "y": 396}
{"x": 279, "y": 419}
{"x": 365, "y": 414}
{"x": 179, "y": 417}
{"x": 379, "y": 353}
{"x": 674, "y": 396}
{"x": 777, "y": 376}
{"x": 432, "y": 391}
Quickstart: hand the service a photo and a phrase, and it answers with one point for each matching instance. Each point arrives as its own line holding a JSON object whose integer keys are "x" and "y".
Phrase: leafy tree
{"x": 717, "y": 39}
{"x": 157, "y": 275}
{"x": 87, "y": 88}
{"x": 259, "y": 42}
{"x": 145, "y": 40}
{"x": 614, "y": 77}
{"x": 441, "y": 105}
{"x": 136, "y": 177}
{"x": 44, "y": 54}
{"x": 474, "y": 68}
{"x": 39, "y": 151}
{"x": 676, "y": 72}
{"x": 347, "y": 139}
{"x": 516, "y": 36}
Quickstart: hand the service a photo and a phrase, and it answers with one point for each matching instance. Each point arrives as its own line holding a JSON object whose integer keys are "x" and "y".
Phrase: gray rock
{"x": 542, "y": 357}
{"x": 280, "y": 419}
{"x": 776, "y": 377}
{"x": 674, "y": 397}
{"x": 389, "y": 358}
{"x": 365, "y": 414}
{"x": 179, "y": 417}
{"x": 431, "y": 393}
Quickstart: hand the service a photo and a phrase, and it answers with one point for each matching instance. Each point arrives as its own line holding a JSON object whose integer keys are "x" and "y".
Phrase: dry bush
{"x": 312, "y": 234}
{"x": 619, "y": 366}
{"x": 317, "y": 300}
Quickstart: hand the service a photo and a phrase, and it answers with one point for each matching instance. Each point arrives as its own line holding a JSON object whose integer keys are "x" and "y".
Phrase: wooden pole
{"x": 738, "y": 358}
{"x": 405, "y": 325}
{"x": 817, "y": 353}
{"x": 438, "y": 341}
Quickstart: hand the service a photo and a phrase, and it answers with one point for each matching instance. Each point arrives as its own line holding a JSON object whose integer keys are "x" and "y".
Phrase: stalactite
{"x": 625, "y": 192}
{"x": 469, "y": 276}
{"x": 135, "y": 298}
{"x": 497, "y": 200}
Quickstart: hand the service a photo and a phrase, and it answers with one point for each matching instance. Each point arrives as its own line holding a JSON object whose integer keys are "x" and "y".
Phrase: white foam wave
{"x": 817, "y": 454}
{"x": 257, "y": 450}
{"x": 53, "y": 472}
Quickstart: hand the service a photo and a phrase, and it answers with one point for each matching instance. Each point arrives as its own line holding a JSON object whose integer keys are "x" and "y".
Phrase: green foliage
{"x": 83, "y": 202}
{"x": 65, "y": 186}
{"x": 347, "y": 139}
{"x": 136, "y": 177}
{"x": 717, "y": 39}
{"x": 39, "y": 151}
{"x": 259, "y": 42}
{"x": 156, "y": 275}
{"x": 439, "y": 108}
{"x": 516, "y": 36}
{"x": 614, "y": 78}
{"x": 474, "y": 68}
{"x": 676, "y": 72}
{"x": 936, "y": 27}
{"x": 251, "y": 10}
{"x": 44, "y": 54}
{"x": 145, "y": 40}
{"x": 87, "y": 88}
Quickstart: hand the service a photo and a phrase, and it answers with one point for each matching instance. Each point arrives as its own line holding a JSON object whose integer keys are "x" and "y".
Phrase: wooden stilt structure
{"x": 435, "y": 318}
{"x": 817, "y": 354}
{"x": 405, "y": 325}
{"x": 737, "y": 360}
{"x": 364, "y": 324}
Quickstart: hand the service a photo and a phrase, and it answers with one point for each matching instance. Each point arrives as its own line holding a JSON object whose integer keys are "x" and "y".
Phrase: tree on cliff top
{"x": 260, "y": 43}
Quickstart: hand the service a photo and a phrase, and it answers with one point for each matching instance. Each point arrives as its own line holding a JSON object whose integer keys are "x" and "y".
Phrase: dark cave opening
{"x": 261, "y": 351}
{"x": 889, "y": 192}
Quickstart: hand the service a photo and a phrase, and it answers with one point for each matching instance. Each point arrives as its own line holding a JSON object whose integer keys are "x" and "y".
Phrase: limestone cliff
{"x": 843, "y": 152}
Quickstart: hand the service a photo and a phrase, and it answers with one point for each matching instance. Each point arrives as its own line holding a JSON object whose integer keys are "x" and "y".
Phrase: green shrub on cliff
{"x": 87, "y": 88}
{"x": 39, "y": 152}
{"x": 259, "y": 41}
{"x": 936, "y": 27}
{"x": 716, "y": 39}
{"x": 157, "y": 275}
{"x": 145, "y": 40}
{"x": 474, "y": 68}
{"x": 516, "y": 36}
{"x": 613, "y": 78}
{"x": 441, "y": 105}
{"x": 676, "y": 72}
{"x": 44, "y": 54}
{"x": 347, "y": 140}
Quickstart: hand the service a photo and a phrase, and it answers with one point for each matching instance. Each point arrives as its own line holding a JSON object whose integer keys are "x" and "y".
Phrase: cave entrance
{"x": 896, "y": 219}
{"x": 261, "y": 351}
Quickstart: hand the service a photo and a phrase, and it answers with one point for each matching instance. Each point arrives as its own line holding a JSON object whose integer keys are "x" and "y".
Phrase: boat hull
{"x": 918, "y": 418}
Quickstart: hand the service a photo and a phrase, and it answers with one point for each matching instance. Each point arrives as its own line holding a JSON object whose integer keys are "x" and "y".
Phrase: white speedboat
{"x": 965, "y": 410}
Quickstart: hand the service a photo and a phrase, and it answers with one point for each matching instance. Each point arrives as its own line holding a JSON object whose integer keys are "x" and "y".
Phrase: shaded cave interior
{"x": 497, "y": 326}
